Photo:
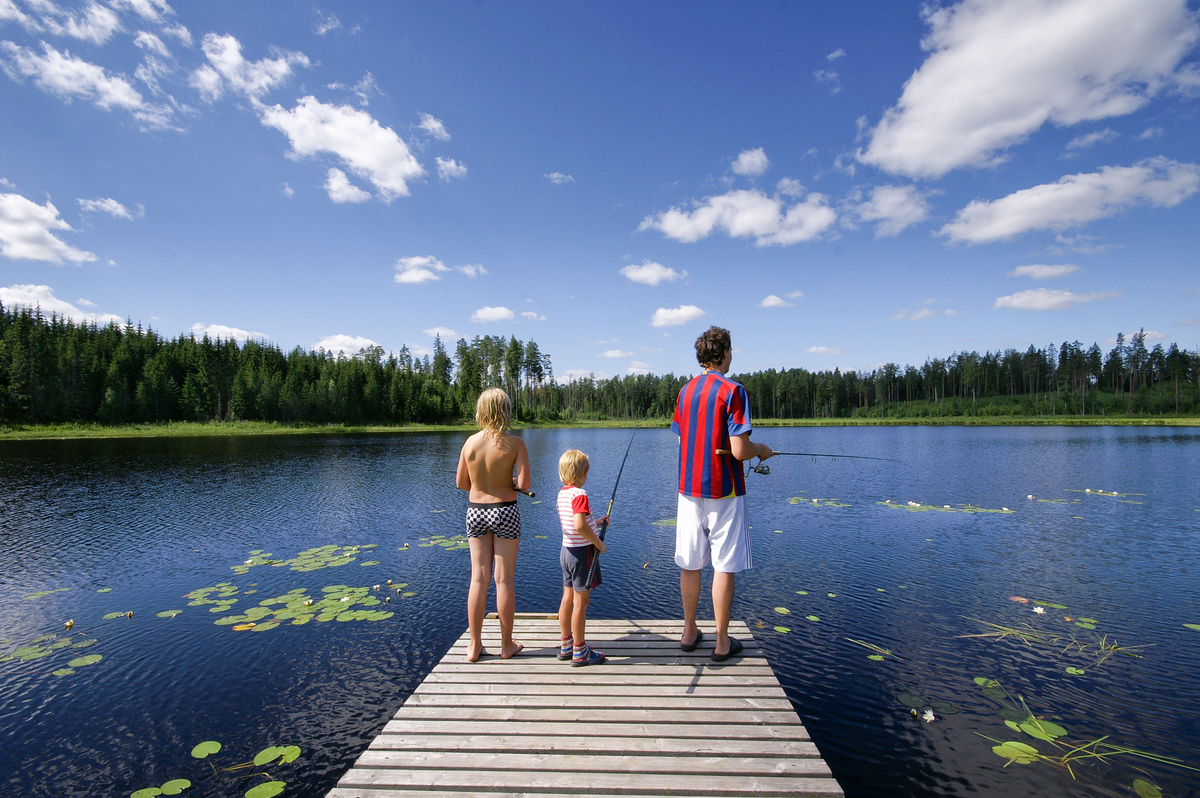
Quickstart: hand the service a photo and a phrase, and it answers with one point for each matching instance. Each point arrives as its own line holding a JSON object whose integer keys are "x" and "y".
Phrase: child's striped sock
{"x": 566, "y": 649}
{"x": 586, "y": 655}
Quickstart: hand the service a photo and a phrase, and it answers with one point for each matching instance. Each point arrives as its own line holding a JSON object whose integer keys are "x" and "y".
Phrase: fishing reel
{"x": 761, "y": 468}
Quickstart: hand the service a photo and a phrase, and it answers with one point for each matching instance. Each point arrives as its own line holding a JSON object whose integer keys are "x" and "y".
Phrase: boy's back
{"x": 490, "y": 461}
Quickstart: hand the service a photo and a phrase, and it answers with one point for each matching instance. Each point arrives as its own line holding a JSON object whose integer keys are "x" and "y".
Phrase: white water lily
{"x": 1040, "y": 610}
{"x": 928, "y": 716}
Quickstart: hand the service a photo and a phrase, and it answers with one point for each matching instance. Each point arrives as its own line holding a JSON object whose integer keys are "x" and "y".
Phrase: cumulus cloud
{"x": 1075, "y": 200}
{"x": 344, "y": 345}
{"x": 94, "y": 24}
{"x": 225, "y": 333}
{"x": 751, "y": 163}
{"x": 488, "y": 314}
{"x": 419, "y": 269}
{"x": 364, "y": 89}
{"x": 1049, "y": 299}
{"x": 340, "y": 189}
{"x": 773, "y": 301}
{"x": 825, "y": 350}
{"x": 533, "y": 316}
{"x": 448, "y": 169}
{"x": 1043, "y": 271}
{"x": 747, "y": 214}
{"x": 651, "y": 273}
{"x": 43, "y": 298}
{"x": 71, "y": 78}
{"x": 228, "y": 69}
{"x": 445, "y": 333}
{"x": 472, "y": 270}
{"x": 997, "y": 72}
{"x": 368, "y": 149}
{"x": 673, "y": 317}
{"x": 616, "y": 353}
{"x": 895, "y": 208}
{"x": 433, "y": 126}
{"x": 27, "y": 232}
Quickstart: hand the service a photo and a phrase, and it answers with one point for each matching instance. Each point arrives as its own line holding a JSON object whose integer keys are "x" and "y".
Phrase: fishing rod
{"x": 604, "y": 526}
{"x": 763, "y": 468}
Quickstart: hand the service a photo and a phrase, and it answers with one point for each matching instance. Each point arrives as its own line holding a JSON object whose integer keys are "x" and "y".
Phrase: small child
{"x": 580, "y": 546}
{"x": 486, "y": 469}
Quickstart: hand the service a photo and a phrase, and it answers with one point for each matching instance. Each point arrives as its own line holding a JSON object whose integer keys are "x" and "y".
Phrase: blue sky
{"x": 839, "y": 184}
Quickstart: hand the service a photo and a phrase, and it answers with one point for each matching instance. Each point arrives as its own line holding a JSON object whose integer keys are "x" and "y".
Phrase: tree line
{"x": 56, "y": 370}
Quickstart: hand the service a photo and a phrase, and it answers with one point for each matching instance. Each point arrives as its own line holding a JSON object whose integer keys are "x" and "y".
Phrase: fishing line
{"x": 604, "y": 526}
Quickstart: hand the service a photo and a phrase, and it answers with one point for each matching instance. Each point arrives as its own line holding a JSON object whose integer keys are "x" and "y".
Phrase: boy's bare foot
{"x": 474, "y": 652}
{"x": 511, "y": 650}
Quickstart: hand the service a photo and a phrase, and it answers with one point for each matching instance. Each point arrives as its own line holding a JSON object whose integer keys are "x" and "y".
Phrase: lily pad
{"x": 910, "y": 700}
{"x": 782, "y": 630}
{"x": 1017, "y": 752}
{"x": 783, "y": 611}
{"x": 206, "y": 748}
{"x": 1051, "y": 605}
{"x": 1043, "y": 729}
{"x": 113, "y": 615}
{"x": 89, "y": 659}
{"x": 169, "y": 613}
{"x": 175, "y": 786}
{"x": 1075, "y": 671}
{"x": 1193, "y": 626}
{"x": 876, "y": 657}
{"x": 267, "y": 789}
{"x": 146, "y": 792}
{"x": 1145, "y": 789}
{"x": 944, "y": 707}
{"x": 812, "y": 618}
{"x": 63, "y": 672}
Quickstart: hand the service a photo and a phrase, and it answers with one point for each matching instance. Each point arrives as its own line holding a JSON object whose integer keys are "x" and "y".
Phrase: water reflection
{"x": 154, "y": 520}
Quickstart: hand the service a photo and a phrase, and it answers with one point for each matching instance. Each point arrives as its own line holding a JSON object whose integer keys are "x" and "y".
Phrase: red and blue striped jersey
{"x": 709, "y": 411}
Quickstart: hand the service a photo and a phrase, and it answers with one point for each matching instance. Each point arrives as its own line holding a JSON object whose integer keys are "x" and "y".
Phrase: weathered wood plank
{"x": 653, "y": 721}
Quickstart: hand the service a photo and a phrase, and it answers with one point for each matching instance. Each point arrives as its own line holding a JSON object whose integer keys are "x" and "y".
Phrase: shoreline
{"x": 254, "y": 428}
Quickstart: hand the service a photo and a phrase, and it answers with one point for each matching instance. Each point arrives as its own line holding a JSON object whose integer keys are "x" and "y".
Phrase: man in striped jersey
{"x": 712, "y": 413}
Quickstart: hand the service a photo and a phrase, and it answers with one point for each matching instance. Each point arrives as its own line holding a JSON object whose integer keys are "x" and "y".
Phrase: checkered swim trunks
{"x": 503, "y": 520}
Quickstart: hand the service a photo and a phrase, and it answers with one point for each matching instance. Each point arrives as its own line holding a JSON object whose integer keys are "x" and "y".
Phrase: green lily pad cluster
{"x": 172, "y": 787}
{"x": 44, "y": 593}
{"x": 271, "y": 755}
{"x": 337, "y": 603}
{"x": 818, "y": 502}
{"x": 917, "y": 507}
{"x": 220, "y": 596}
{"x": 314, "y": 559}
{"x": 455, "y": 543}
{"x": 46, "y": 645}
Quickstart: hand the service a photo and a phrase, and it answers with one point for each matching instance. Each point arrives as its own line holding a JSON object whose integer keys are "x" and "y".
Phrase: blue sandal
{"x": 588, "y": 656}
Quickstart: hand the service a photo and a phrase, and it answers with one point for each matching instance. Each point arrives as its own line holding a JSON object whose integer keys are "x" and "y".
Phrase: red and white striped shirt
{"x": 573, "y": 499}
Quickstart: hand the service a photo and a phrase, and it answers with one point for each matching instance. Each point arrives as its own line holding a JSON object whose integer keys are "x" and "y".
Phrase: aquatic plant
{"x": 880, "y": 651}
{"x": 1100, "y": 646}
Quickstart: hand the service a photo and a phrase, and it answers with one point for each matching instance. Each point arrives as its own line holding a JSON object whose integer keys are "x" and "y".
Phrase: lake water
{"x": 90, "y": 529}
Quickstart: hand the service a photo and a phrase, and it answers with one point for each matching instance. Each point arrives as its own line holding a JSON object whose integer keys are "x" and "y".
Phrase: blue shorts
{"x": 576, "y": 561}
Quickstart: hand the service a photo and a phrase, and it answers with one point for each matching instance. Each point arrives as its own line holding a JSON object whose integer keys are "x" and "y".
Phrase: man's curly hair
{"x": 712, "y": 345}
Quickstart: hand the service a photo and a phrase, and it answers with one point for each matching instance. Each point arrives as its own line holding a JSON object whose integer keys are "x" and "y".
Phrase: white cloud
{"x": 42, "y": 296}
{"x": 1089, "y": 140}
{"x": 472, "y": 270}
{"x": 638, "y": 367}
{"x": 364, "y": 89}
{"x": 578, "y": 375}
{"x": 836, "y": 54}
{"x": 445, "y": 332}
{"x": 829, "y": 78}
{"x": 747, "y": 214}
{"x": 558, "y": 178}
{"x": 419, "y": 269}
{"x": 795, "y": 295}
{"x": 532, "y": 316}
{"x": 1042, "y": 271}
{"x": 673, "y": 317}
{"x": 368, "y": 149}
{"x": 751, "y": 163}
{"x": 1151, "y": 133}
{"x": 348, "y": 345}
{"x": 326, "y": 23}
{"x": 27, "y": 232}
{"x": 340, "y": 189}
{"x": 227, "y": 68}
{"x": 95, "y": 24}
{"x": 913, "y": 315}
{"x": 434, "y": 127}
{"x": 824, "y": 350}
{"x": 448, "y": 169}
{"x": 87, "y": 303}
{"x": 107, "y": 205}
{"x": 151, "y": 43}
{"x": 895, "y": 208}
{"x": 616, "y": 353}
{"x": 72, "y": 78}
{"x": 150, "y": 10}
{"x": 1049, "y": 299}
{"x": 651, "y": 273}
{"x": 997, "y": 72}
{"x": 200, "y": 329}
{"x": 773, "y": 301}
{"x": 1075, "y": 200}
{"x": 790, "y": 187}
{"x": 487, "y": 314}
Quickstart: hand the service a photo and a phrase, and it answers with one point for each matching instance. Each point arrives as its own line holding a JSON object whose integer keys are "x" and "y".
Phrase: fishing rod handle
{"x": 528, "y": 493}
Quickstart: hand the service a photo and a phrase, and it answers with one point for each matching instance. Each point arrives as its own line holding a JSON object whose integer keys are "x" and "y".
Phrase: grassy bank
{"x": 230, "y": 428}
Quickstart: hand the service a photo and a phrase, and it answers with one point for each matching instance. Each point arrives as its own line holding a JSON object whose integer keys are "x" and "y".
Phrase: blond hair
{"x": 493, "y": 412}
{"x": 572, "y": 465}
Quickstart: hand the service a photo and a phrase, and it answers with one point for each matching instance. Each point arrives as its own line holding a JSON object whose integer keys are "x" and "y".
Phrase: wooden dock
{"x": 652, "y": 721}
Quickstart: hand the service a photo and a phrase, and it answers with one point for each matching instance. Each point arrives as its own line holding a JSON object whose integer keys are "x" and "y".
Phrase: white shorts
{"x": 713, "y": 530}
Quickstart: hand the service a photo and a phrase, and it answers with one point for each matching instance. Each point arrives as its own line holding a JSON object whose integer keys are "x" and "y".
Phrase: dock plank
{"x": 652, "y": 721}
